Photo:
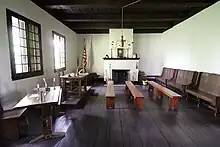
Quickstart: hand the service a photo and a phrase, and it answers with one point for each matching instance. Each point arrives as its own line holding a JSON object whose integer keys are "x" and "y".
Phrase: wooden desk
{"x": 50, "y": 99}
{"x": 80, "y": 79}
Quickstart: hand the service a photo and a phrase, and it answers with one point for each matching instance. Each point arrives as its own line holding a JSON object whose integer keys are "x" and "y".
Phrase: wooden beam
{"x": 106, "y": 31}
{"x": 115, "y": 3}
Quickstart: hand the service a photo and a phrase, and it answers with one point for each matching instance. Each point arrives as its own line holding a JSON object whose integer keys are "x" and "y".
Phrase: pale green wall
{"x": 195, "y": 43}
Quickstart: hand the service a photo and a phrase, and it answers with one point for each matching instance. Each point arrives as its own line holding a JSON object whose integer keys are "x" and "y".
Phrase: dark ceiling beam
{"x": 106, "y": 31}
{"x": 148, "y": 17}
{"x": 116, "y": 2}
{"x": 97, "y": 25}
{"x": 112, "y": 16}
{"x": 125, "y": 20}
{"x": 149, "y": 6}
{"x": 105, "y": 27}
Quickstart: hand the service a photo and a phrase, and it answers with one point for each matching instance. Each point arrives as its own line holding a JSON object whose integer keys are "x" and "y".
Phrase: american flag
{"x": 84, "y": 57}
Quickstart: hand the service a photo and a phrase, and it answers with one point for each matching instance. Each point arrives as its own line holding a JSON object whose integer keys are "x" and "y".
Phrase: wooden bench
{"x": 133, "y": 91}
{"x": 160, "y": 90}
{"x": 10, "y": 122}
{"x": 110, "y": 95}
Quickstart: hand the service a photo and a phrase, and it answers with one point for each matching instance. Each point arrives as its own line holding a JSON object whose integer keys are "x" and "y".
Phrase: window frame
{"x": 29, "y": 74}
{"x": 60, "y": 35}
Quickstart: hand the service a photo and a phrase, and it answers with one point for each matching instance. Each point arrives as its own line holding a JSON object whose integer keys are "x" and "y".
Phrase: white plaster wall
{"x": 97, "y": 46}
{"x": 17, "y": 89}
{"x": 115, "y": 36}
{"x": 195, "y": 43}
{"x": 150, "y": 50}
{"x": 147, "y": 46}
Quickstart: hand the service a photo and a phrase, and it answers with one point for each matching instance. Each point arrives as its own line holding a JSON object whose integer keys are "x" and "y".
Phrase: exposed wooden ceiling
{"x": 98, "y": 16}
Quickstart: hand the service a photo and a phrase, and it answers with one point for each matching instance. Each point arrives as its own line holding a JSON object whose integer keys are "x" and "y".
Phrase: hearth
{"x": 120, "y": 76}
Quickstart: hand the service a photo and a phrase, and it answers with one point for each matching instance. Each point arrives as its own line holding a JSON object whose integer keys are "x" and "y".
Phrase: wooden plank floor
{"x": 94, "y": 126}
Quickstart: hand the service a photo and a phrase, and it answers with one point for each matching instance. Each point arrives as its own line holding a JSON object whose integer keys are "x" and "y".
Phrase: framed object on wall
{"x": 120, "y": 53}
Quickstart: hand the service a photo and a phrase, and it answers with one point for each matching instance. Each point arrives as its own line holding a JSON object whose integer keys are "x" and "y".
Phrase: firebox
{"x": 119, "y": 76}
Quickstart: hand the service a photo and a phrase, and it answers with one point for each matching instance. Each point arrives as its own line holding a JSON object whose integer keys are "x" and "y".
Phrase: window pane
{"x": 36, "y": 29}
{"x": 22, "y": 34}
{"x": 62, "y": 65}
{"x": 33, "y": 59}
{"x": 24, "y": 59}
{"x": 31, "y": 43}
{"x": 38, "y": 59}
{"x": 21, "y": 24}
{"x": 37, "y": 45}
{"x": 32, "y": 52}
{"x": 36, "y": 37}
{"x": 15, "y": 35}
{"x": 37, "y": 52}
{"x": 18, "y": 69}
{"x": 62, "y": 60}
{"x": 25, "y": 68}
{"x": 34, "y": 44}
{"x": 38, "y": 67}
{"x": 30, "y": 35}
{"x": 33, "y": 67}
{"x": 14, "y": 21}
{"x": 24, "y": 51}
{"x": 17, "y": 51}
{"x": 23, "y": 42}
{"x": 17, "y": 59}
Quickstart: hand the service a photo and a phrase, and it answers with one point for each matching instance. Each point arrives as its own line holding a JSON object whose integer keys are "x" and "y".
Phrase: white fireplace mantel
{"x": 131, "y": 64}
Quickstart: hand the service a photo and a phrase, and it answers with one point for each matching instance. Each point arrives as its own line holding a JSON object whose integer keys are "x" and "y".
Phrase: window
{"x": 25, "y": 46}
{"x": 59, "y": 45}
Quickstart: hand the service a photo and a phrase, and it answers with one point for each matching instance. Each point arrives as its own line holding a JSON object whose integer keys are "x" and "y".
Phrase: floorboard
{"x": 90, "y": 124}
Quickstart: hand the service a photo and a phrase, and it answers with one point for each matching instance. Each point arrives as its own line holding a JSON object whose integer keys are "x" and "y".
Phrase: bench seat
{"x": 160, "y": 90}
{"x": 199, "y": 94}
{"x": 135, "y": 93}
{"x": 110, "y": 95}
{"x": 208, "y": 90}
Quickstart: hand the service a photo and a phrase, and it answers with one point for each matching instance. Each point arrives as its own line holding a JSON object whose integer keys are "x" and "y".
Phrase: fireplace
{"x": 119, "y": 76}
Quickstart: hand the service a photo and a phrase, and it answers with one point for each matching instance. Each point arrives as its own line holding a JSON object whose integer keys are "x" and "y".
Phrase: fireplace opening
{"x": 119, "y": 76}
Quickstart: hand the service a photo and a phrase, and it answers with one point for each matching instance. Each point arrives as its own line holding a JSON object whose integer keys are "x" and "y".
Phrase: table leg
{"x": 80, "y": 88}
{"x": 64, "y": 88}
{"x": 47, "y": 126}
{"x": 85, "y": 84}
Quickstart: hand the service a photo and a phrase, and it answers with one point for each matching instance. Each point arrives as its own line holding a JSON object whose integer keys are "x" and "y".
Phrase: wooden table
{"x": 80, "y": 79}
{"x": 51, "y": 98}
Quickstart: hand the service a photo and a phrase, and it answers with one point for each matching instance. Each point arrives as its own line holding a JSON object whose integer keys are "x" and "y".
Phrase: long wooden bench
{"x": 135, "y": 93}
{"x": 110, "y": 95}
{"x": 160, "y": 90}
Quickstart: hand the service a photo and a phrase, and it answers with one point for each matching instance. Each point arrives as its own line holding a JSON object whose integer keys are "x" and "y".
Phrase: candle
{"x": 38, "y": 87}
